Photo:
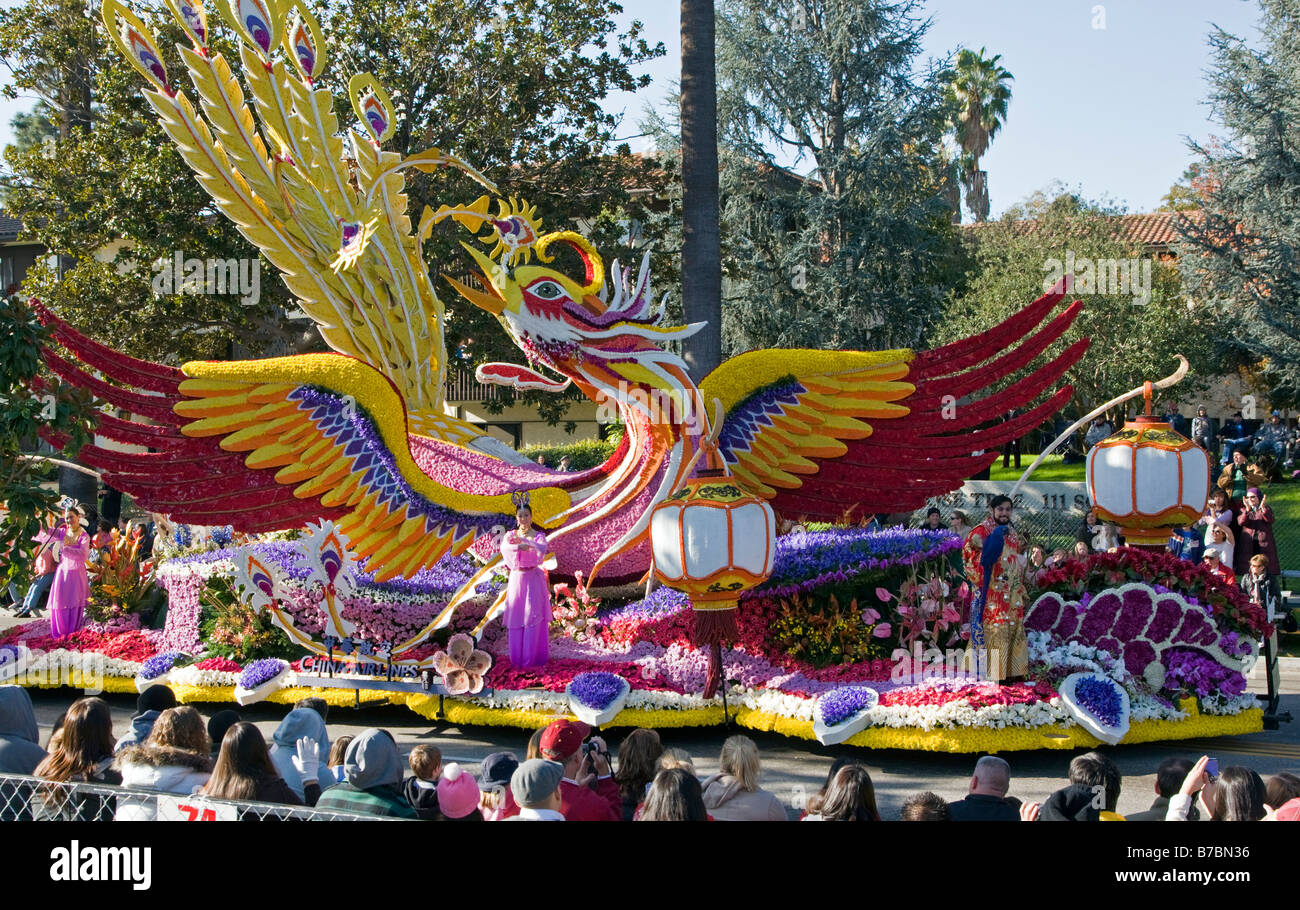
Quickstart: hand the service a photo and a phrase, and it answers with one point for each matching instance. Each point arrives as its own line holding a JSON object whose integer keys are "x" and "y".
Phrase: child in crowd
{"x": 458, "y": 795}
{"x": 421, "y": 791}
{"x": 495, "y": 800}
{"x": 337, "y": 753}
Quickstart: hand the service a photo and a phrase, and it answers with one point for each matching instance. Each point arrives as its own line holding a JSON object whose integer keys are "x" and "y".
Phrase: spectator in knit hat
{"x": 218, "y": 724}
{"x": 458, "y": 795}
{"x": 535, "y": 786}
{"x": 588, "y": 791}
{"x": 496, "y": 802}
{"x": 421, "y": 790}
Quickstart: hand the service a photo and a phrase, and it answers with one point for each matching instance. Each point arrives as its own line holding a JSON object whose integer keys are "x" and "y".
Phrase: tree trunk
{"x": 701, "y": 243}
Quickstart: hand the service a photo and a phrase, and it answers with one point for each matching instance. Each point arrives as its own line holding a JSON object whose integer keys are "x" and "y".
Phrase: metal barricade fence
{"x": 24, "y": 798}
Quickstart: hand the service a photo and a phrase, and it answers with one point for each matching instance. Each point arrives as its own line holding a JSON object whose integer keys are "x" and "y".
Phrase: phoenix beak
{"x": 491, "y": 298}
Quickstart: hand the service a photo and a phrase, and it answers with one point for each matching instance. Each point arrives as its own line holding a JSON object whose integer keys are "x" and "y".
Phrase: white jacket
{"x": 163, "y": 770}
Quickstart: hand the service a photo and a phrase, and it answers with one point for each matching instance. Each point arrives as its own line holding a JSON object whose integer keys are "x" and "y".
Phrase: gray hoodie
{"x": 20, "y": 750}
{"x": 373, "y": 761}
{"x": 298, "y": 723}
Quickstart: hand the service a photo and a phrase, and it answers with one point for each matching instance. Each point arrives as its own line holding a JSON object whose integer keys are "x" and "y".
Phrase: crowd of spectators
{"x": 567, "y": 774}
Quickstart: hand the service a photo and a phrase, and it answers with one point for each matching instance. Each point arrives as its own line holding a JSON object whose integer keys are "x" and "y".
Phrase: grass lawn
{"x": 1050, "y": 470}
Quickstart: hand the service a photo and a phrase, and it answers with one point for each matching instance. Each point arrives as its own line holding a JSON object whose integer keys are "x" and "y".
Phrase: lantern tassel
{"x": 713, "y": 681}
{"x": 714, "y": 627}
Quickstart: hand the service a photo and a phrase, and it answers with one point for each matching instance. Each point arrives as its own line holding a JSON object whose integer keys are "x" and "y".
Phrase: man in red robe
{"x": 994, "y": 563}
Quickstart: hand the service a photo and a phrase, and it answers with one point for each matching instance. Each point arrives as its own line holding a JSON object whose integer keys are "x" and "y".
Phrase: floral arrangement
{"x": 1101, "y": 698}
{"x": 120, "y": 582}
{"x": 826, "y": 633}
{"x": 1163, "y": 642}
{"x": 1099, "y": 704}
{"x": 597, "y": 689}
{"x": 839, "y": 705}
{"x": 928, "y": 606}
{"x": 575, "y": 610}
{"x": 813, "y": 560}
{"x": 1226, "y": 603}
{"x": 160, "y": 665}
{"x": 260, "y": 672}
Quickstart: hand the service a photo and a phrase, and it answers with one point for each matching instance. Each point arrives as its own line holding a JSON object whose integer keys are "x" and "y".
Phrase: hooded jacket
{"x": 373, "y": 786}
{"x": 20, "y": 749}
{"x": 298, "y": 723}
{"x": 727, "y": 801}
{"x": 141, "y": 727}
{"x": 160, "y": 768}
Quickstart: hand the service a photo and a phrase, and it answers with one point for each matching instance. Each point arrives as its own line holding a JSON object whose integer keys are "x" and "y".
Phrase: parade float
{"x": 360, "y": 524}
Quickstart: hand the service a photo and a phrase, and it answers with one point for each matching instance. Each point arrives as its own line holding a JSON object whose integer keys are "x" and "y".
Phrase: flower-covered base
{"x": 830, "y": 620}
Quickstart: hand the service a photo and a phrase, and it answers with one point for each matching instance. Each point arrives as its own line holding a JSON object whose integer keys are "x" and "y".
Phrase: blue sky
{"x": 1105, "y": 110}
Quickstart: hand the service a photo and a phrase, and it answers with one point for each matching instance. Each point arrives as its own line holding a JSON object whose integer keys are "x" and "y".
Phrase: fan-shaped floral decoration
{"x": 462, "y": 667}
{"x": 331, "y": 565}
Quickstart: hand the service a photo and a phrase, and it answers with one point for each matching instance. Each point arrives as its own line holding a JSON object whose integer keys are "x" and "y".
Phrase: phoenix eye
{"x": 547, "y": 290}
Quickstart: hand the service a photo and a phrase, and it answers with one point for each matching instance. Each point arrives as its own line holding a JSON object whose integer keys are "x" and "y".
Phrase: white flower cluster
{"x": 204, "y": 570}
{"x": 192, "y": 676}
{"x": 524, "y": 700}
{"x": 1228, "y": 704}
{"x": 61, "y": 664}
{"x": 774, "y": 701}
{"x": 962, "y": 714}
{"x": 1075, "y": 657}
{"x": 1147, "y": 707}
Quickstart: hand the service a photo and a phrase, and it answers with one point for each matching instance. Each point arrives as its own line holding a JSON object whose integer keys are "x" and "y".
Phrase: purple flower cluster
{"x": 159, "y": 664}
{"x": 597, "y": 689}
{"x": 1100, "y": 698}
{"x": 261, "y": 671}
{"x": 807, "y": 561}
{"x": 1193, "y": 672}
{"x": 837, "y": 706}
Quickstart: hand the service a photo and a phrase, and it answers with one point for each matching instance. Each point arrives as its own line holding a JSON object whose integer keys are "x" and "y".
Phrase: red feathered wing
{"x": 823, "y": 435}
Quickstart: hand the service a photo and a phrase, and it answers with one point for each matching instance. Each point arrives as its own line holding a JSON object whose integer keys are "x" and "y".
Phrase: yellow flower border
{"x": 949, "y": 739}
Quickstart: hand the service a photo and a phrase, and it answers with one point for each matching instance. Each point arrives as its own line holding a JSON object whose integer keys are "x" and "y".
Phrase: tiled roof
{"x": 9, "y": 227}
{"x": 1150, "y": 229}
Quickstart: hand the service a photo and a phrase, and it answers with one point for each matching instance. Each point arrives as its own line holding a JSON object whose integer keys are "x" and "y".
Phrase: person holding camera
{"x": 588, "y": 792}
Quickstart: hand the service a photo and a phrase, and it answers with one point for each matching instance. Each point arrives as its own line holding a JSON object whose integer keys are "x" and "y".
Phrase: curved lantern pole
{"x": 1146, "y": 388}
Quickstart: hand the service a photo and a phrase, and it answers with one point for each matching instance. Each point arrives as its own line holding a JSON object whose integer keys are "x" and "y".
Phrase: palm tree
{"x": 980, "y": 93}
{"x": 701, "y": 242}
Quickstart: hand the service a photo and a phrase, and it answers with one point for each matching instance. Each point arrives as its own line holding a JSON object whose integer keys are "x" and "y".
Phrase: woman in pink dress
{"x": 528, "y": 597}
{"x": 71, "y": 588}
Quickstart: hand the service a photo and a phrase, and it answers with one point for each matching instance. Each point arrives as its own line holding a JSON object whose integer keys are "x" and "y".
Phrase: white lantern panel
{"x": 665, "y": 542}
{"x": 1108, "y": 471}
{"x": 751, "y": 528}
{"x": 705, "y": 533}
{"x": 1196, "y": 477}
{"x": 1157, "y": 480}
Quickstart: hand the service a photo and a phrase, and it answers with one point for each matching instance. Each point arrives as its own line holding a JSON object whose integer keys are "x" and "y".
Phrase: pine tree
{"x": 861, "y": 251}
{"x": 1244, "y": 260}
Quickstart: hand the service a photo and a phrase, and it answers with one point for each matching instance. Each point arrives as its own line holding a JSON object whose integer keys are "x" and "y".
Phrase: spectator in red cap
{"x": 588, "y": 792}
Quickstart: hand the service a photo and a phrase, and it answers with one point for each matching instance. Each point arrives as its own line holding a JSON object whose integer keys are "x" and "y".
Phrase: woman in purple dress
{"x": 528, "y": 597}
{"x": 71, "y": 588}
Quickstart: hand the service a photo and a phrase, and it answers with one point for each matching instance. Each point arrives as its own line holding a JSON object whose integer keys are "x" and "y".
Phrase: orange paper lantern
{"x": 1147, "y": 478}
